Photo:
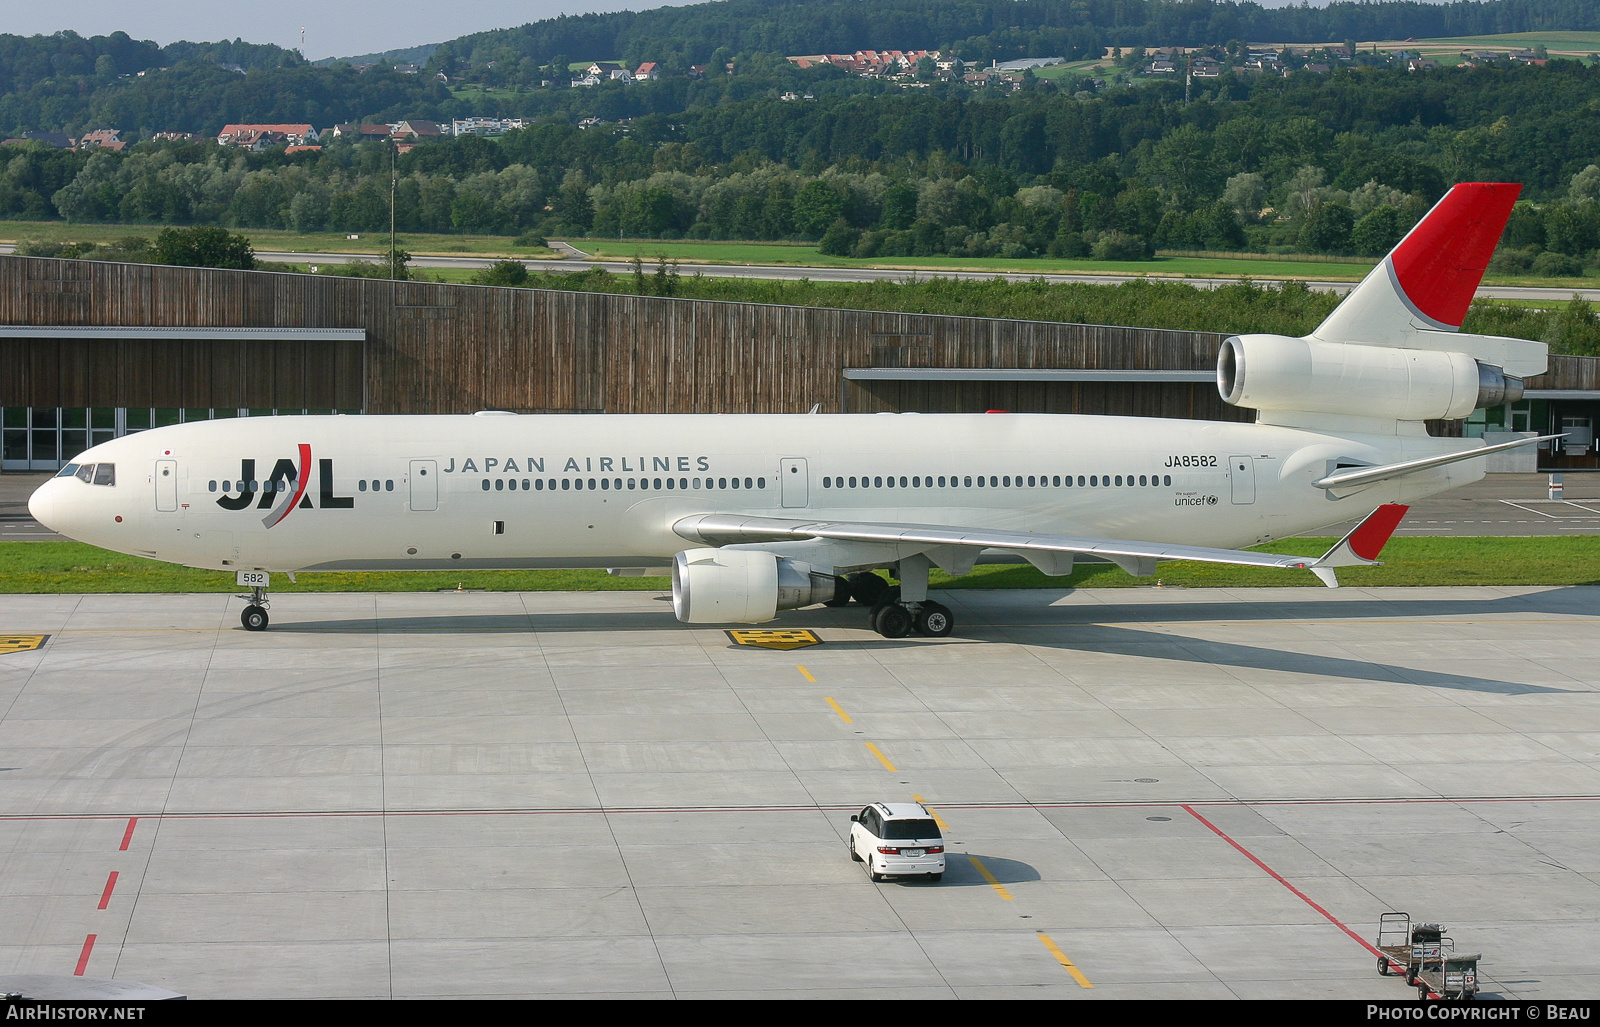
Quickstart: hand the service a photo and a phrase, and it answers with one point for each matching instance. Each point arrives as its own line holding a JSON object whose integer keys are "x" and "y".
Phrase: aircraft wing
{"x": 1360, "y": 546}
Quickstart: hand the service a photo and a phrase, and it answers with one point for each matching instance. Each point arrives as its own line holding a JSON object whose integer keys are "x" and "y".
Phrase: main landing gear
{"x": 254, "y": 617}
{"x": 899, "y": 610}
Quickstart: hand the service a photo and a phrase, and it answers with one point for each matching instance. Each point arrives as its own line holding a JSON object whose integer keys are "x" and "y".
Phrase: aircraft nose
{"x": 42, "y": 505}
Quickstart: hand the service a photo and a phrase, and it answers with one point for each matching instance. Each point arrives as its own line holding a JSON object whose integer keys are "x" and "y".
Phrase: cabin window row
{"x": 282, "y": 485}
{"x": 619, "y": 484}
{"x": 996, "y": 481}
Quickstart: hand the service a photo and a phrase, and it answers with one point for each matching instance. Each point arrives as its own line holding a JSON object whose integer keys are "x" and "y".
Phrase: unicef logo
{"x": 1211, "y": 500}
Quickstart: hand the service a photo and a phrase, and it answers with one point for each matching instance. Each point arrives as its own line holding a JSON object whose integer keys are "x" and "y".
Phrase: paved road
{"x": 1170, "y": 794}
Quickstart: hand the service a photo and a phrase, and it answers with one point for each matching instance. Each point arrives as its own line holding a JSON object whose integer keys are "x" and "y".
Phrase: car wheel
{"x": 853, "y": 853}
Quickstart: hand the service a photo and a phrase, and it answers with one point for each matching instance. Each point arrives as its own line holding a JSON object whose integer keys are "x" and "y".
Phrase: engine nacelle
{"x": 1275, "y": 372}
{"x": 742, "y": 586}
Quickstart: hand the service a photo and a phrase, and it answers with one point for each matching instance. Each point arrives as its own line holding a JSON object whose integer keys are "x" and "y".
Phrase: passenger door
{"x": 1242, "y": 473}
{"x": 792, "y": 482}
{"x": 424, "y": 480}
{"x": 166, "y": 486}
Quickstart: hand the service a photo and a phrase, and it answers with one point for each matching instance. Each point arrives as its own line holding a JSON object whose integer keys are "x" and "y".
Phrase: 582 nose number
{"x": 254, "y": 579}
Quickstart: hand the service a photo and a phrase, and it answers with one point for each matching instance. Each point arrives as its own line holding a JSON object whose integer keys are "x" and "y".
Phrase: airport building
{"x": 92, "y": 350}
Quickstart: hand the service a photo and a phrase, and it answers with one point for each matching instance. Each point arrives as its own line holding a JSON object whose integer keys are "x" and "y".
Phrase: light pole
{"x": 394, "y": 270}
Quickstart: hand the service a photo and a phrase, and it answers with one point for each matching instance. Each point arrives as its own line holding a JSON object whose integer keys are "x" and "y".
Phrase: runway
{"x": 1148, "y": 792}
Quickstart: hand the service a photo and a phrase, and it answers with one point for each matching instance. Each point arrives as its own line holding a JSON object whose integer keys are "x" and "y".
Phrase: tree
{"x": 1327, "y": 228}
{"x": 817, "y": 205}
{"x": 203, "y": 247}
{"x": 502, "y": 272}
{"x": 1377, "y": 233}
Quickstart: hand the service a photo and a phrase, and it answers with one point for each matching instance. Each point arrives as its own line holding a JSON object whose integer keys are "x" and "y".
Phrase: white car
{"x": 897, "y": 839}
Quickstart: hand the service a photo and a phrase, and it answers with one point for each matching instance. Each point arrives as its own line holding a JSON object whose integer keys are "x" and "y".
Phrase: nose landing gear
{"x": 254, "y": 617}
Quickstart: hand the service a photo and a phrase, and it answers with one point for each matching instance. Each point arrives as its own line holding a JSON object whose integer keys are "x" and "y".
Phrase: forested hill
{"x": 982, "y": 29}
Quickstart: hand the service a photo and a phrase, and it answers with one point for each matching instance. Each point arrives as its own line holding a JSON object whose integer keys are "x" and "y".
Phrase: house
{"x": 1205, "y": 69}
{"x": 102, "y": 139}
{"x": 589, "y": 122}
{"x": 607, "y": 71}
{"x": 175, "y": 137}
{"x": 485, "y": 126}
{"x": 649, "y": 71}
{"x": 416, "y": 131}
{"x": 586, "y": 80}
{"x": 52, "y": 139}
{"x": 1421, "y": 64}
{"x": 697, "y": 71}
{"x": 1323, "y": 69}
{"x": 248, "y": 135}
{"x": 1162, "y": 67}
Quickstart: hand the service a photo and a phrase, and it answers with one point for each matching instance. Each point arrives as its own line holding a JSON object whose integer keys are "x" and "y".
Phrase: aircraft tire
{"x": 254, "y": 618}
{"x": 934, "y": 620}
{"x": 891, "y": 620}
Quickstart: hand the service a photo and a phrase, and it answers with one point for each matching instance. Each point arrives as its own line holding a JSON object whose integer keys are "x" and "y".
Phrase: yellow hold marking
{"x": 807, "y": 673}
{"x": 993, "y": 881}
{"x": 21, "y": 643}
{"x": 775, "y": 638}
{"x": 881, "y": 758}
{"x": 837, "y": 709}
{"x": 1061, "y": 957}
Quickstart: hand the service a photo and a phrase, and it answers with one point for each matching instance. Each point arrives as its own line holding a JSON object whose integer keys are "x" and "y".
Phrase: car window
{"x": 907, "y": 830}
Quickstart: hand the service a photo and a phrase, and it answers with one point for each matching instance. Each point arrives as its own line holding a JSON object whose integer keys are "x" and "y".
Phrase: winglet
{"x": 1360, "y": 548}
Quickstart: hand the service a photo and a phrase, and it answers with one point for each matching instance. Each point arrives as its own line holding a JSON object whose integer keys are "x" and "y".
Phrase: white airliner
{"x": 760, "y": 513}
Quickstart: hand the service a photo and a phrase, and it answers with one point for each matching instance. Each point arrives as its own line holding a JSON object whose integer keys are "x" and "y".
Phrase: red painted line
{"x": 127, "y": 836}
{"x": 105, "y": 896}
{"x": 1302, "y": 896}
{"x": 83, "y": 957}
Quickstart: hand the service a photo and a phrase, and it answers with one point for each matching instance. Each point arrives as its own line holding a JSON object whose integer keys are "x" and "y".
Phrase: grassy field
{"x": 276, "y": 239}
{"x": 804, "y": 255}
{"x": 1553, "y": 40}
{"x": 71, "y": 567}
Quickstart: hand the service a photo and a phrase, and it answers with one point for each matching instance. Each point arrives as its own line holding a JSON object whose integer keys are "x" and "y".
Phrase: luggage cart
{"x": 1408, "y": 945}
{"x": 1452, "y": 976}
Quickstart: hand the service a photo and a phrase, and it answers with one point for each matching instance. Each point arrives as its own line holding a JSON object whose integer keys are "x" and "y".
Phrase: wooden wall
{"x": 454, "y": 349}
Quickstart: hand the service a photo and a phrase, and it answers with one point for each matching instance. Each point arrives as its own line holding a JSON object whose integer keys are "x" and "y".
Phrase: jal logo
{"x": 288, "y": 481}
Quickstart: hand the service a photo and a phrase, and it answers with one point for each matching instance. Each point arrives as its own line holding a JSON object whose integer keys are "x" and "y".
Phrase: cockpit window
{"x": 105, "y": 474}
{"x": 86, "y": 473}
{"x": 67, "y": 471}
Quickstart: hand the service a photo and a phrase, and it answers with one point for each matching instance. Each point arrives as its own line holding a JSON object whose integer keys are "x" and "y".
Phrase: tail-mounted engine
{"x": 742, "y": 586}
{"x": 1277, "y": 373}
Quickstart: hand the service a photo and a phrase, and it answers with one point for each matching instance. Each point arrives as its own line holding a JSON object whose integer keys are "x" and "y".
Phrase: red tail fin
{"x": 1440, "y": 263}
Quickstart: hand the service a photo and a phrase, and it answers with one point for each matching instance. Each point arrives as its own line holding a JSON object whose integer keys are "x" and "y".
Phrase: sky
{"x": 344, "y": 29}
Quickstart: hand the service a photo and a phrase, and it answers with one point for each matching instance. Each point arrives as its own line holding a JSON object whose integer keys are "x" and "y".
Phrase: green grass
{"x": 1550, "y": 40}
{"x": 430, "y": 243}
{"x": 72, "y": 567}
{"x": 805, "y": 255}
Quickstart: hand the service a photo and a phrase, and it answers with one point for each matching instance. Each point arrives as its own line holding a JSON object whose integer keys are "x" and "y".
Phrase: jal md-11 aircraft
{"x": 760, "y": 513}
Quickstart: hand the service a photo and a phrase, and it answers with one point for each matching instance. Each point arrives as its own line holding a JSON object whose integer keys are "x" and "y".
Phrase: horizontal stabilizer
{"x": 1356, "y": 476}
{"x": 1361, "y": 546}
